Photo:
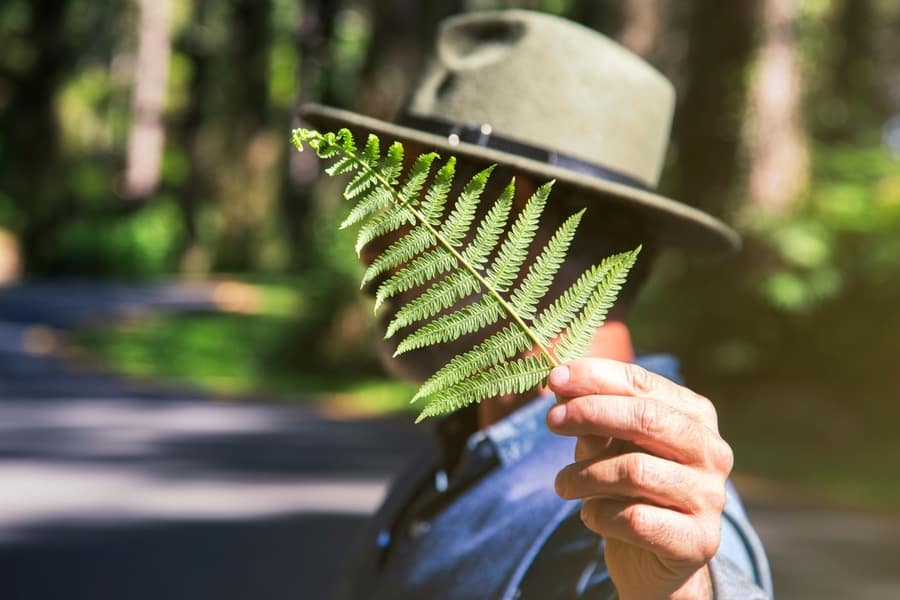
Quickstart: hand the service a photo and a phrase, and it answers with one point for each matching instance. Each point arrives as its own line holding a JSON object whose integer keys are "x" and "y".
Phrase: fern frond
{"x": 371, "y": 153}
{"x": 504, "y": 344}
{"x": 365, "y": 178}
{"x": 460, "y": 218}
{"x": 575, "y": 340}
{"x": 513, "y": 250}
{"x": 345, "y": 164}
{"x": 398, "y": 214}
{"x": 490, "y": 230}
{"x": 389, "y": 220}
{"x": 416, "y": 241}
{"x": 436, "y": 196}
{"x": 516, "y": 377}
{"x": 541, "y": 273}
{"x": 423, "y": 269}
{"x": 373, "y": 202}
{"x": 433, "y": 254}
{"x": 442, "y": 295}
{"x": 415, "y": 180}
{"x": 553, "y": 319}
{"x": 467, "y": 319}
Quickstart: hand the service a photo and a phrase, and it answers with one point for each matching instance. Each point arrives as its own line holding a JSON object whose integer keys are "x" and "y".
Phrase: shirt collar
{"x": 517, "y": 434}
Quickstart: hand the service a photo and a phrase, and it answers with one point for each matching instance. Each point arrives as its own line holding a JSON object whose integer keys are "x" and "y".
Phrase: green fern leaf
{"x": 344, "y": 165}
{"x": 373, "y": 202}
{"x": 364, "y": 178}
{"x": 371, "y": 154}
{"x": 420, "y": 271}
{"x": 398, "y": 214}
{"x": 504, "y": 344}
{"x": 540, "y": 276}
{"x": 431, "y": 254}
{"x": 436, "y": 196}
{"x": 516, "y": 377}
{"x": 460, "y": 218}
{"x": 505, "y": 268}
{"x": 416, "y": 241}
{"x": 389, "y": 220}
{"x": 491, "y": 228}
{"x": 467, "y": 319}
{"x": 574, "y": 342}
{"x": 443, "y": 294}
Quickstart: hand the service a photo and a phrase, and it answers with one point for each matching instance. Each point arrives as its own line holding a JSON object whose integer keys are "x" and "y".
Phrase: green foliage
{"x": 143, "y": 245}
{"x": 432, "y": 253}
{"x": 199, "y": 350}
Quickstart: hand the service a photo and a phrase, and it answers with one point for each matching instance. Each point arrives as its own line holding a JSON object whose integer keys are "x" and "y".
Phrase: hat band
{"x": 483, "y": 135}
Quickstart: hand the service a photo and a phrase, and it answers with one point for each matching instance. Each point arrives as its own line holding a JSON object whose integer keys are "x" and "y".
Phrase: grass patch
{"x": 241, "y": 354}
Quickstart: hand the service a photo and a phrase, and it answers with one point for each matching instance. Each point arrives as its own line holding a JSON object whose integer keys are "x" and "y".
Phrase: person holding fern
{"x": 570, "y": 468}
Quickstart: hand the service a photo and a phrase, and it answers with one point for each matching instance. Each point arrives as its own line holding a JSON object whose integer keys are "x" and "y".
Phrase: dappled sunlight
{"x": 109, "y": 460}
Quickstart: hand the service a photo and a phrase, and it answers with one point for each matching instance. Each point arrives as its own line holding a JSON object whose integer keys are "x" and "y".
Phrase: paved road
{"x": 112, "y": 490}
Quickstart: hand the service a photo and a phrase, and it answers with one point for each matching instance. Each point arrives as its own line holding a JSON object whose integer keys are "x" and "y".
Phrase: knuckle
{"x": 638, "y": 379}
{"x": 648, "y": 417}
{"x": 707, "y": 546}
{"x": 637, "y": 519}
{"x": 634, "y": 471}
{"x": 723, "y": 456}
{"x": 584, "y": 411}
{"x": 710, "y": 496}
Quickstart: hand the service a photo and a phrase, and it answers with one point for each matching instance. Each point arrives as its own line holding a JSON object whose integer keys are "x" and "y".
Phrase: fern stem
{"x": 545, "y": 352}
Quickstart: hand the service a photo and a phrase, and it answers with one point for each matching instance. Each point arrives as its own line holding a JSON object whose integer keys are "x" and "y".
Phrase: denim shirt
{"x": 490, "y": 525}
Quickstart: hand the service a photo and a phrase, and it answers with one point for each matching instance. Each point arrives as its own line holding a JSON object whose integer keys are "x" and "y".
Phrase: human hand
{"x": 650, "y": 468}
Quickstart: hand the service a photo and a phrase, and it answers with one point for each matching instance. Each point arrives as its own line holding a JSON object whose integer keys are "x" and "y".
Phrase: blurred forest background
{"x": 149, "y": 139}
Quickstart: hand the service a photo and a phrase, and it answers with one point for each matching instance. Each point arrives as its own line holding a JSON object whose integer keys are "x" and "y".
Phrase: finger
{"x": 593, "y": 447}
{"x": 642, "y": 477}
{"x": 666, "y": 533}
{"x": 603, "y": 376}
{"x": 596, "y": 447}
{"x": 649, "y": 423}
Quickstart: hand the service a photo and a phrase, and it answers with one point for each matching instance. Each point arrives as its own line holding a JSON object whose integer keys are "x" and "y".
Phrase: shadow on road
{"x": 294, "y": 557}
{"x": 117, "y": 489}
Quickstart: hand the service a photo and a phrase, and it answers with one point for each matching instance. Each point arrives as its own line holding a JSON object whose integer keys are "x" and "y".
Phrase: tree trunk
{"x": 197, "y": 186}
{"x": 147, "y": 135}
{"x": 246, "y": 188}
{"x": 29, "y": 173}
{"x": 313, "y": 35}
{"x": 778, "y": 160}
{"x": 707, "y": 127}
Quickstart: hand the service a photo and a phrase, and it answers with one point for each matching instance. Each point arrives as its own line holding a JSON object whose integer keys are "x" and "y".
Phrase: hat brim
{"x": 676, "y": 225}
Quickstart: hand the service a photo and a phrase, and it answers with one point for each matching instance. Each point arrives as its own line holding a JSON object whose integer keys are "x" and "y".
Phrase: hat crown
{"x": 550, "y": 83}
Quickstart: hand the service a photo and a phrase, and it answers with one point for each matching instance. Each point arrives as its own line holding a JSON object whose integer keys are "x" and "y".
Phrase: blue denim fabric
{"x": 493, "y": 526}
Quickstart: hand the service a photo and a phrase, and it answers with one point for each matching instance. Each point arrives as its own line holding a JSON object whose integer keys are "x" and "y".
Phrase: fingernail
{"x": 557, "y": 415}
{"x": 558, "y": 377}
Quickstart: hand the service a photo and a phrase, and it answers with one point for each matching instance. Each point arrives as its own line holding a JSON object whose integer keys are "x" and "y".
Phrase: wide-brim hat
{"x": 552, "y": 99}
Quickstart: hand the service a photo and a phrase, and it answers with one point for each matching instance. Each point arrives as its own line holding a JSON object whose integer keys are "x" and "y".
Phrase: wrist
{"x": 697, "y": 587}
